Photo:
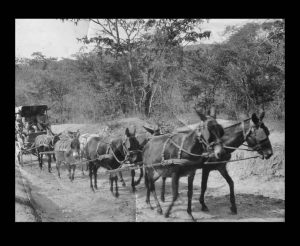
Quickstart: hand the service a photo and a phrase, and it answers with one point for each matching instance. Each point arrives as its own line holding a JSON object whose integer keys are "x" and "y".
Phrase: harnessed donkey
{"x": 110, "y": 155}
{"x": 67, "y": 151}
{"x": 44, "y": 143}
{"x": 192, "y": 147}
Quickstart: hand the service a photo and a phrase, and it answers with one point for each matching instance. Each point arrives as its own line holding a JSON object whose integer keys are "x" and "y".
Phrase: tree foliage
{"x": 152, "y": 69}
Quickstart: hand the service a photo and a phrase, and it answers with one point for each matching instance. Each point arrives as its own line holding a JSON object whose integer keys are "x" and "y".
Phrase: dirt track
{"x": 61, "y": 200}
{"x": 258, "y": 197}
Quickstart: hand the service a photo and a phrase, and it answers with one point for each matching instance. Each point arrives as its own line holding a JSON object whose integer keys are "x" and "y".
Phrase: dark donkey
{"x": 188, "y": 145}
{"x": 114, "y": 153}
{"x": 45, "y": 143}
{"x": 142, "y": 139}
{"x": 255, "y": 133}
{"x": 67, "y": 151}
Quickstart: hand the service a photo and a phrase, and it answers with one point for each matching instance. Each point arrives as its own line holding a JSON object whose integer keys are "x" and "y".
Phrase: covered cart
{"x": 31, "y": 121}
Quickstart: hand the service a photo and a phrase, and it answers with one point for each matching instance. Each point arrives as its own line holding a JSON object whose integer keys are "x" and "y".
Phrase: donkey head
{"x": 211, "y": 132}
{"x": 257, "y": 137}
{"x": 131, "y": 145}
{"x": 75, "y": 145}
{"x": 55, "y": 138}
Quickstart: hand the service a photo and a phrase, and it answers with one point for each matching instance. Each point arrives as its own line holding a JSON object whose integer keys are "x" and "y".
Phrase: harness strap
{"x": 164, "y": 147}
{"x": 180, "y": 149}
{"x": 98, "y": 147}
{"x": 243, "y": 127}
{"x": 181, "y": 146}
{"x": 110, "y": 148}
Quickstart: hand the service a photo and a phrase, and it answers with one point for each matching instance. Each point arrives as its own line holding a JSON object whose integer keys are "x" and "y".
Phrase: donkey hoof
{"x": 233, "y": 210}
{"x": 117, "y": 195}
{"x": 191, "y": 216}
{"x": 159, "y": 210}
{"x": 204, "y": 209}
{"x": 167, "y": 215}
{"x": 123, "y": 184}
{"x": 162, "y": 199}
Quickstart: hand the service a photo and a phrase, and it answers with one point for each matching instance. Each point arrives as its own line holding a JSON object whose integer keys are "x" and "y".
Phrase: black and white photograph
{"x": 149, "y": 120}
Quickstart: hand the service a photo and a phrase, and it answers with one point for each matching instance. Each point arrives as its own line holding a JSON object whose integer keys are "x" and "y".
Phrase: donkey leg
{"x": 121, "y": 179}
{"x": 223, "y": 171}
{"x": 132, "y": 180}
{"x": 95, "y": 177}
{"x": 175, "y": 181}
{"x": 117, "y": 188}
{"x": 49, "y": 163}
{"x": 73, "y": 174}
{"x": 40, "y": 159}
{"x": 205, "y": 174}
{"x": 58, "y": 167}
{"x": 54, "y": 158}
{"x": 163, "y": 185}
{"x": 152, "y": 189}
{"x": 91, "y": 175}
{"x": 190, "y": 194}
{"x": 148, "y": 189}
{"x": 69, "y": 169}
{"x": 111, "y": 184}
{"x": 42, "y": 162}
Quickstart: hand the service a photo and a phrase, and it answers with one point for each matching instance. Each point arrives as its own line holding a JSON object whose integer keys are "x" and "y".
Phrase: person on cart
{"x": 42, "y": 122}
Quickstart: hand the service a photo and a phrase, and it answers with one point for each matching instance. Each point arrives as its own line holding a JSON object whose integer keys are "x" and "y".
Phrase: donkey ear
{"x": 151, "y": 131}
{"x": 254, "y": 118}
{"x": 262, "y": 115}
{"x": 127, "y": 132}
{"x": 77, "y": 133}
{"x": 212, "y": 112}
{"x": 200, "y": 114}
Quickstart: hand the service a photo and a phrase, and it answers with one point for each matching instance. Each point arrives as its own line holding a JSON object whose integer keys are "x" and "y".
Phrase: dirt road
{"x": 60, "y": 200}
{"x": 259, "y": 189}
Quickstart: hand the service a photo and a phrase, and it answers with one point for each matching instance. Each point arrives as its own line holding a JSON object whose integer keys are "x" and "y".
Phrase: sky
{"x": 55, "y": 38}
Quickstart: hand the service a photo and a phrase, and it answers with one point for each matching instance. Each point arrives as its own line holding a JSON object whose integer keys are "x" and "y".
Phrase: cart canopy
{"x": 28, "y": 111}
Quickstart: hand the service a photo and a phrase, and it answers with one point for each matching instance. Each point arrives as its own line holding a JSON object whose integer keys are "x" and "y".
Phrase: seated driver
{"x": 42, "y": 122}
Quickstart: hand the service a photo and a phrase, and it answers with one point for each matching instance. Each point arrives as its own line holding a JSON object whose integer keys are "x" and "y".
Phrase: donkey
{"x": 189, "y": 145}
{"x": 44, "y": 143}
{"x": 67, "y": 151}
{"x": 142, "y": 140}
{"x": 83, "y": 139}
{"x": 255, "y": 134}
{"x": 113, "y": 153}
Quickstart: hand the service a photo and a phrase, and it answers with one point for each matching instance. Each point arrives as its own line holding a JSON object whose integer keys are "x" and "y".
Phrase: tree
{"x": 252, "y": 77}
{"x": 156, "y": 39}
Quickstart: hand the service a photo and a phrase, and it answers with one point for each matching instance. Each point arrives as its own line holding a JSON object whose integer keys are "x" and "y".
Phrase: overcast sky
{"x": 55, "y": 38}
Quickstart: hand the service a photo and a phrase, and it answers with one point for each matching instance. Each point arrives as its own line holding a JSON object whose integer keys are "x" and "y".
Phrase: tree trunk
{"x": 147, "y": 100}
{"x": 151, "y": 100}
{"x": 131, "y": 85}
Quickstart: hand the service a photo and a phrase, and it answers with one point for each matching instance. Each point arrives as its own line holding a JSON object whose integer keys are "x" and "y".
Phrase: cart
{"x": 31, "y": 121}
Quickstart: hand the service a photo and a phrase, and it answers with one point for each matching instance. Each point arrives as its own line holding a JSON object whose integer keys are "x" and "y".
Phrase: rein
{"x": 185, "y": 151}
{"x": 181, "y": 149}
